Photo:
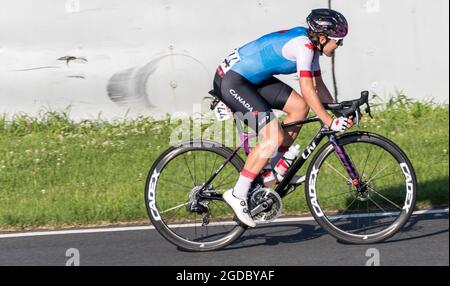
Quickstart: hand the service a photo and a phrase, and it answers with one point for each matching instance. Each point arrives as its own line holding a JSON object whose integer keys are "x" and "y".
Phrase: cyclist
{"x": 245, "y": 82}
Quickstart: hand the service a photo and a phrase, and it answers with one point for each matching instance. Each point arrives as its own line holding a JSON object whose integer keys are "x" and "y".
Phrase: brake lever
{"x": 358, "y": 114}
{"x": 368, "y": 111}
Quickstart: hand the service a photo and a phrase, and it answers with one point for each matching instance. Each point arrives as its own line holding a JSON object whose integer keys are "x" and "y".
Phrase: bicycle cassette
{"x": 269, "y": 202}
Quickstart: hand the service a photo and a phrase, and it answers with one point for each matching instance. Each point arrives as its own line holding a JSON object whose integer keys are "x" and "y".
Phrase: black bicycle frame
{"x": 340, "y": 152}
{"x": 282, "y": 189}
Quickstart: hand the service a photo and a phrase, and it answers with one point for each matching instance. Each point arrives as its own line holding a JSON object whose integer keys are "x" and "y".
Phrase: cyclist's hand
{"x": 350, "y": 122}
{"x": 341, "y": 124}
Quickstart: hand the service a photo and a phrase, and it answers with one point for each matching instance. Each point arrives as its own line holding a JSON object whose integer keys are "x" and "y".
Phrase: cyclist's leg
{"x": 243, "y": 99}
{"x": 283, "y": 97}
{"x": 296, "y": 109}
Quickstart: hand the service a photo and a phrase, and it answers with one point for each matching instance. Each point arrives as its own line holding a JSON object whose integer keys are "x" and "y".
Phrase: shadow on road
{"x": 277, "y": 234}
{"x": 414, "y": 231}
{"x": 298, "y": 232}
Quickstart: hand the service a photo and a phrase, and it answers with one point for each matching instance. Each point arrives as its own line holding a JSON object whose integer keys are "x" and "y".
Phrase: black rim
{"x": 188, "y": 233}
{"x": 378, "y": 209}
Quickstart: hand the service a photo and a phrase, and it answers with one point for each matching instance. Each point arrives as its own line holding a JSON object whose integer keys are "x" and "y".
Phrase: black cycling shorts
{"x": 251, "y": 103}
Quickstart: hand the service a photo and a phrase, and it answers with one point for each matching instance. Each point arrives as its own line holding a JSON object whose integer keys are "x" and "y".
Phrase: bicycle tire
{"x": 151, "y": 192}
{"x": 319, "y": 210}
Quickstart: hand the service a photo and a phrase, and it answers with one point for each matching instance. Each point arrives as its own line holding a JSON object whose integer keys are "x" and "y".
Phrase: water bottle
{"x": 286, "y": 161}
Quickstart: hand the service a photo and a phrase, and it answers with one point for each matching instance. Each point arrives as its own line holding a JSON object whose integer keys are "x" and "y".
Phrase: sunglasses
{"x": 339, "y": 42}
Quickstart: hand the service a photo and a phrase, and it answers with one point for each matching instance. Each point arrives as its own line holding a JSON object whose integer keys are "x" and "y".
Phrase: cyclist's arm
{"x": 309, "y": 94}
{"x": 307, "y": 62}
{"x": 322, "y": 90}
{"x": 325, "y": 95}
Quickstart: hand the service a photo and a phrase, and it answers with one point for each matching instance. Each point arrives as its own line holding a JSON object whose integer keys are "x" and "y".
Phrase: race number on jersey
{"x": 222, "y": 112}
{"x": 230, "y": 61}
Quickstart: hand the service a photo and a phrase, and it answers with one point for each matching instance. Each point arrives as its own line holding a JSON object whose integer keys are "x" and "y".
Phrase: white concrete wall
{"x": 400, "y": 44}
{"x": 154, "y": 57}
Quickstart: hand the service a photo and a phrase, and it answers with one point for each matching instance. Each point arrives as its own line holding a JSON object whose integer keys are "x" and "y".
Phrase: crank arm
{"x": 261, "y": 207}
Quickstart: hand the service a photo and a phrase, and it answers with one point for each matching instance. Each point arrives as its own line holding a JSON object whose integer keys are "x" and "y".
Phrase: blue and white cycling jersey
{"x": 282, "y": 52}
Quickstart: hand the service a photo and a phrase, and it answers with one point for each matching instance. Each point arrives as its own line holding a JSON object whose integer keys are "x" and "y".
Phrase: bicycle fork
{"x": 346, "y": 162}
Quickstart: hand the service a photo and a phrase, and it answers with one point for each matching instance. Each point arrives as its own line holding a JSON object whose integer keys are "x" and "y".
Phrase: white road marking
{"x": 135, "y": 228}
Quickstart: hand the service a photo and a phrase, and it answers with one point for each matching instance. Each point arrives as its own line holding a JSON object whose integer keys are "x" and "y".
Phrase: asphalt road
{"x": 423, "y": 241}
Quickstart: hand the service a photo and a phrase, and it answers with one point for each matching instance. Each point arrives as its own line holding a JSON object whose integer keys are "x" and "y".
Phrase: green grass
{"x": 56, "y": 172}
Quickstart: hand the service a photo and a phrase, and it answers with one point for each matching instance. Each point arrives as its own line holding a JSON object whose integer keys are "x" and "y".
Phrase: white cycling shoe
{"x": 239, "y": 207}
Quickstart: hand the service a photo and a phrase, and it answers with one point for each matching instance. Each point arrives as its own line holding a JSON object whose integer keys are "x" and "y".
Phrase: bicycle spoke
{"x": 224, "y": 211}
{"x": 376, "y": 165}
{"x": 386, "y": 199}
{"x": 195, "y": 225}
{"x": 377, "y": 205}
{"x": 374, "y": 213}
{"x": 195, "y": 173}
{"x": 372, "y": 178}
{"x": 205, "y": 169}
{"x": 340, "y": 194}
{"x": 368, "y": 211}
{"x": 220, "y": 207}
{"x": 208, "y": 226}
{"x": 365, "y": 163}
{"x": 229, "y": 182}
{"x": 176, "y": 207}
{"x": 381, "y": 208}
{"x": 341, "y": 215}
{"x": 222, "y": 179}
{"x": 187, "y": 166}
{"x": 214, "y": 167}
{"x": 365, "y": 227}
{"x": 357, "y": 218}
{"x": 346, "y": 179}
{"x": 175, "y": 183}
{"x": 219, "y": 182}
{"x": 390, "y": 174}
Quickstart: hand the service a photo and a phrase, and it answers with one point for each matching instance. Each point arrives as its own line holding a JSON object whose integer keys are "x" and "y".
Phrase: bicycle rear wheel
{"x": 378, "y": 209}
{"x": 173, "y": 190}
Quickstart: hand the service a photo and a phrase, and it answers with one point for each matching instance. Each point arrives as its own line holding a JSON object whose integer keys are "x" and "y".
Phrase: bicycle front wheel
{"x": 188, "y": 215}
{"x": 382, "y": 203}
